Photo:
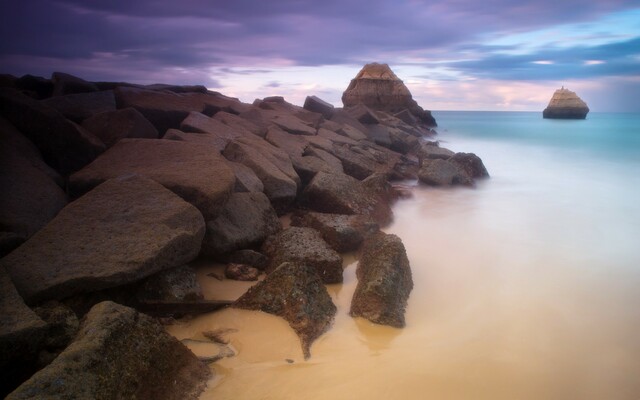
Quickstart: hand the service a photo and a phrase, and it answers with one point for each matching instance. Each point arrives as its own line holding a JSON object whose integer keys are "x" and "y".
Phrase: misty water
{"x": 526, "y": 287}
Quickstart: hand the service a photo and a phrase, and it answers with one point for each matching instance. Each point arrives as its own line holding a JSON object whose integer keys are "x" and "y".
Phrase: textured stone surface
{"x": 111, "y": 126}
{"x": 240, "y": 124}
{"x": 241, "y": 272}
{"x": 304, "y": 246}
{"x": 246, "y": 220}
{"x": 119, "y": 354}
{"x": 342, "y": 232}
{"x": 384, "y": 281}
{"x": 175, "y": 284}
{"x": 80, "y": 106}
{"x": 432, "y": 151}
{"x": 316, "y": 104}
{"x": 308, "y": 166}
{"x": 204, "y": 139}
{"x": 196, "y": 173}
{"x": 246, "y": 179}
{"x": 565, "y": 104}
{"x": 151, "y": 228}
{"x": 293, "y": 145}
{"x": 438, "y": 172}
{"x": 248, "y": 257}
{"x": 471, "y": 164}
{"x": 64, "y": 84}
{"x": 295, "y": 293}
{"x": 293, "y": 125}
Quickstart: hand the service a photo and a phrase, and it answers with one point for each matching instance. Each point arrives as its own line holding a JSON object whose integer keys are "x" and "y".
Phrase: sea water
{"x": 526, "y": 287}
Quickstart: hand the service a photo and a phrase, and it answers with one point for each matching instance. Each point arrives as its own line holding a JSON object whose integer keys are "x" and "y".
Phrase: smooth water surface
{"x": 527, "y": 287}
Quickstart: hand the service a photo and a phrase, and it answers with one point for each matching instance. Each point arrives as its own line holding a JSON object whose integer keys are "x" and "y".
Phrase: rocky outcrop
{"x": 565, "y": 104}
{"x": 296, "y": 293}
{"x": 384, "y": 281}
{"x": 304, "y": 246}
{"x": 151, "y": 228}
{"x": 342, "y": 232}
{"x": 378, "y": 88}
{"x": 127, "y": 123}
{"x": 119, "y": 354}
{"x": 196, "y": 173}
{"x": 80, "y": 106}
{"x": 246, "y": 220}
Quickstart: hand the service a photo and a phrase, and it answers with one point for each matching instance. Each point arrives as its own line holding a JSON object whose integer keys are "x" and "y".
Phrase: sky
{"x": 502, "y": 55}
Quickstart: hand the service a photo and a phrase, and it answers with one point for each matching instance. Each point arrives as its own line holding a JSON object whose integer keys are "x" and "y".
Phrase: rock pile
{"x": 110, "y": 190}
{"x": 565, "y": 104}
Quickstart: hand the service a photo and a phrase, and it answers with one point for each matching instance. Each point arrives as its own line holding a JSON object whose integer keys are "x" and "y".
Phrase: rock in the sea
{"x": 384, "y": 281}
{"x": 296, "y": 293}
{"x": 246, "y": 220}
{"x": 304, "y": 246}
{"x": 111, "y": 126}
{"x": 122, "y": 231}
{"x": 342, "y": 232}
{"x": 196, "y": 173}
{"x": 119, "y": 354}
{"x": 241, "y": 272}
{"x": 565, "y": 104}
{"x": 438, "y": 172}
{"x": 378, "y": 88}
{"x": 22, "y": 335}
{"x": 431, "y": 150}
{"x": 471, "y": 164}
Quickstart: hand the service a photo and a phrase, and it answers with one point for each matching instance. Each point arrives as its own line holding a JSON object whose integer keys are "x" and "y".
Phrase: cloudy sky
{"x": 453, "y": 55}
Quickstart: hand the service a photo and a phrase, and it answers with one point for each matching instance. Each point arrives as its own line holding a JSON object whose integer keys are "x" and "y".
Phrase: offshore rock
{"x": 119, "y": 354}
{"x": 296, "y": 293}
{"x": 384, "y": 281}
{"x": 377, "y": 87}
{"x": 565, "y": 104}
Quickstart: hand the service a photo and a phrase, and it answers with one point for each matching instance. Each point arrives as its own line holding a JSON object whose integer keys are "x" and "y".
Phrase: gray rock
{"x": 438, "y": 172}
{"x": 171, "y": 285}
{"x": 407, "y": 117}
{"x": 342, "y": 232}
{"x": 246, "y": 179}
{"x": 471, "y": 164}
{"x": 304, "y": 246}
{"x": 430, "y": 151}
{"x": 343, "y": 118}
{"x": 333, "y": 161}
{"x": 22, "y": 335}
{"x": 196, "y": 173}
{"x": 62, "y": 323}
{"x": 363, "y": 114}
{"x": 308, "y": 166}
{"x": 111, "y": 126}
{"x": 119, "y": 354}
{"x": 151, "y": 228}
{"x": 384, "y": 281}
{"x": 316, "y": 104}
{"x": 275, "y": 155}
{"x": 64, "y": 145}
{"x": 64, "y": 84}
{"x": 80, "y": 106}
{"x": 246, "y": 220}
{"x": 295, "y": 293}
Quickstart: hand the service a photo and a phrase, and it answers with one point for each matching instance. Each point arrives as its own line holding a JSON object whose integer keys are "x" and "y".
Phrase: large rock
{"x": 80, "y": 106}
{"x": 471, "y": 164}
{"x": 196, "y": 173}
{"x": 279, "y": 188}
{"x": 316, "y": 104}
{"x": 384, "y": 281}
{"x": 120, "y": 232}
{"x": 204, "y": 139}
{"x": 565, "y": 104}
{"x": 438, "y": 172}
{"x": 304, "y": 246}
{"x": 111, "y": 126}
{"x": 246, "y": 179}
{"x": 378, "y": 88}
{"x": 198, "y": 122}
{"x": 22, "y": 334}
{"x": 171, "y": 285}
{"x": 296, "y": 293}
{"x": 432, "y": 150}
{"x": 293, "y": 145}
{"x": 293, "y": 125}
{"x": 308, "y": 166}
{"x": 342, "y": 232}
{"x": 64, "y": 84}
{"x": 240, "y": 124}
{"x": 64, "y": 145}
{"x": 119, "y": 354}
{"x": 246, "y": 220}
{"x": 342, "y": 194}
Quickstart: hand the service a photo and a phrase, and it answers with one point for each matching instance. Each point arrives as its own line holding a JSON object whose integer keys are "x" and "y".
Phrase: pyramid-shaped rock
{"x": 566, "y": 104}
{"x": 377, "y": 87}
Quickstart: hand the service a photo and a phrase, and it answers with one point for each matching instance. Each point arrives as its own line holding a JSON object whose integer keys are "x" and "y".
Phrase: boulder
{"x": 317, "y": 105}
{"x": 197, "y": 122}
{"x": 565, "y": 104}
{"x": 35, "y": 86}
{"x": 471, "y": 164}
{"x": 293, "y": 145}
{"x": 64, "y": 145}
{"x": 215, "y": 142}
{"x": 294, "y": 292}
{"x": 196, "y": 173}
{"x": 342, "y": 194}
{"x": 377, "y": 87}
{"x": 119, "y": 354}
{"x": 342, "y": 232}
{"x": 384, "y": 281}
{"x": 406, "y": 116}
{"x": 308, "y": 166}
{"x": 240, "y": 124}
{"x": 222, "y": 103}
{"x": 362, "y": 114}
{"x": 304, "y": 246}
{"x": 275, "y": 155}
{"x": 438, "y": 172}
{"x": 171, "y": 285}
{"x": 335, "y": 137}
{"x": 22, "y": 335}
{"x": 356, "y": 162}
{"x": 152, "y": 229}
{"x": 432, "y": 151}
{"x": 246, "y": 179}
{"x": 333, "y": 161}
{"x": 62, "y": 324}
{"x": 241, "y": 272}
{"x": 343, "y": 118}
{"x": 64, "y": 84}
{"x": 127, "y": 123}
{"x": 80, "y": 106}
{"x": 279, "y": 188}
{"x": 29, "y": 198}
{"x": 293, "y": 125}
{"x": 246, "y": 220}
{"x": 247, "y": 257}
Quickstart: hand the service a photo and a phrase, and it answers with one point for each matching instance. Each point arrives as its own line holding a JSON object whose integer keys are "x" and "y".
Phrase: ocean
{"x": 525, "y": 287}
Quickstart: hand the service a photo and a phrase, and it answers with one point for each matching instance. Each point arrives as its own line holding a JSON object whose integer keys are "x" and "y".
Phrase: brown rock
{"x": 152, "y": 229}
{"x": 246, "y": 179}
{"x": 171, "y": 285}
{"x": 316, "y": 104}
{"x": 565, "y": 104}
{"x": 293, "y": 125}
{"x": 293, "y": 145}
{"x": 471, "y": 164}
{"x": 80, "y": 106}
{"x": 295, "y": 293}
{"x": 64, "y": 84}
{"x": 204, "y": 139}
{"x": 241, "y": 272}
{"x": 342, "y": 232}
{"x": 111, "y": 126}
{"x": 438, "y": 172}
{"x": 240, "y": 124}
{"x": 246, "y": 256}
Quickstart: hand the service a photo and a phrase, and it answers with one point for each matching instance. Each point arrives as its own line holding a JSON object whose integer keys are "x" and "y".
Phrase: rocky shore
{"x": 110, "y": 191}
